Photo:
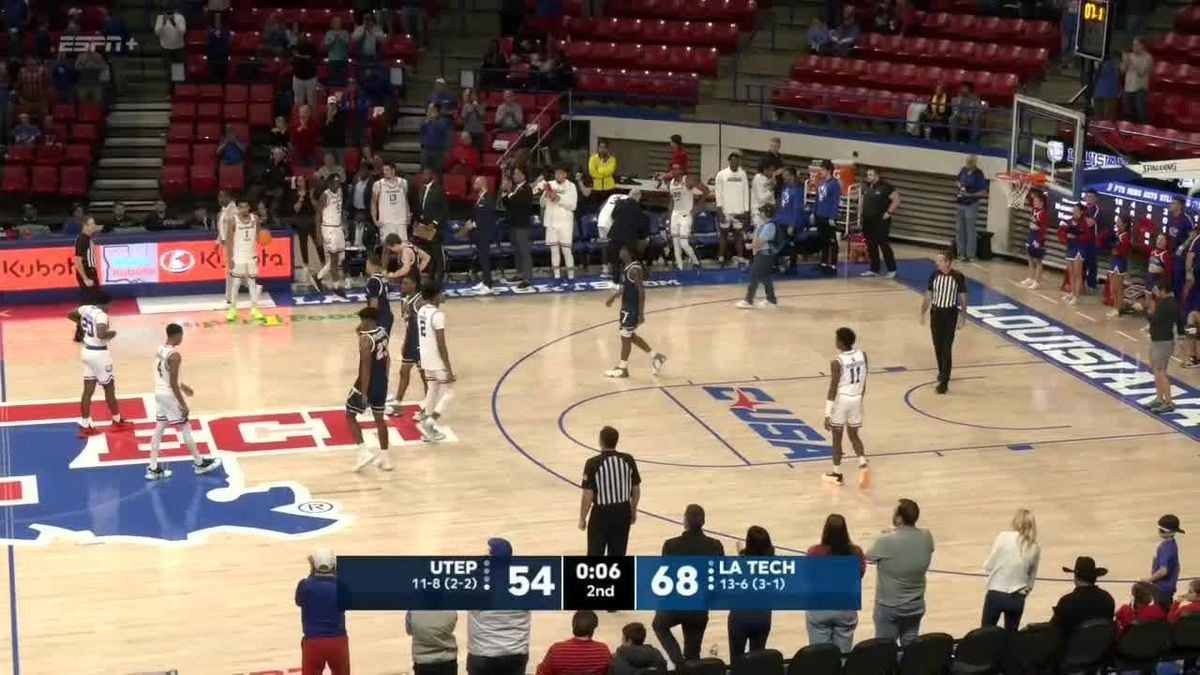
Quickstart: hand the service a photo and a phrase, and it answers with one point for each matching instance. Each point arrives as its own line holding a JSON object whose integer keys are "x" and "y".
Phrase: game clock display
{"x": 1092, "y": 30}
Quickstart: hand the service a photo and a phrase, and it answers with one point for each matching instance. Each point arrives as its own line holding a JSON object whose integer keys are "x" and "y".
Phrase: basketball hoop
{"x": 1018, "y": 184}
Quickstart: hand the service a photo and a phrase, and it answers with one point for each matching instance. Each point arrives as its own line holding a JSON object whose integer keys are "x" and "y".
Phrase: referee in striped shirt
{"x": 946, "y": 302}
{"x": 611, "y": 490}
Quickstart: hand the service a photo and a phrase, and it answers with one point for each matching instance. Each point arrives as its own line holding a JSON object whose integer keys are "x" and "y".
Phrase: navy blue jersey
{"x": 631, "y": 301}
{"x": 377, "y": 288}
{"x": 412, "y": 347}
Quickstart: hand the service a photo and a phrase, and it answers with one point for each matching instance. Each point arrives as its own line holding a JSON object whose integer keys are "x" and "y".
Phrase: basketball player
{"x": 377, "y": 291}
{"x": 683, "y": 189}
{"x": 1035, "y": 239}
{"x": 389, "y": 204}
{"x": 170, "y": 408}
{"x": 435, "y": 360}
{"x": 410, "y": 351}
{"x": 370, "y": 389}
{"x": 333, "y": 235}
{"x": 97, "y": 363}
{"x": 240, "y": 244}
{"x": 732, "y": 192}
{"x": 559, "y": 198}
{"x": 633, "y": 314}
{"x": 844, "y": 403}
{"x": 404, "y": 259}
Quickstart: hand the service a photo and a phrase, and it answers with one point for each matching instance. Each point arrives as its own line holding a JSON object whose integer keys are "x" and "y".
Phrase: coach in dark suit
{"x": 483, "y": 221}
{"x": 518, "y": 207}
{"x": 693, "y": 542}
{"x": 630, "y": 227}
{"x": 432, "y": 211}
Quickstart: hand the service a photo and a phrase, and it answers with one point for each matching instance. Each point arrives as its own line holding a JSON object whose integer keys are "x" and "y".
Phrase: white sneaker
{"x": 1033, "y": 286}
{"x": 765, "y": 304}
{"x": 480, "y": 287}
{"x": 868, "y": 273}
{"x": 383, "y": 461}
{"x": 1113, "y": 314}
{"x": 161, "y": 473}
{"x": 617, "y": 372}
{"x": 1025, "y": 282}
{"x": 742, "y": 304}
{"x": 890, "y": 275}
{"x": 364, "y": 458}
{"x": 430, "y": 432}
{"x": 419, "y": 414}
{"x": 658, "y": 362}
{"x": 1072, "y": 300}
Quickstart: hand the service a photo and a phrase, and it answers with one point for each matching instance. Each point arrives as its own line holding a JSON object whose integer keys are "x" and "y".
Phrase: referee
{"x": 611, "y": 490}
{"x": 946, "y": 302}
{"x": 85, "y": 267}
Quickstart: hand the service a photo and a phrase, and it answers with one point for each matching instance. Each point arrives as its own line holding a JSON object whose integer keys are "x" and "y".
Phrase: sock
{"x": 622, "y": 363}
{"x": 837, "y": 468}
{"x": 155, "y": 442}
{"x": 677, "y": 246}
{"x": 444, "y": 400}
{"x": 321, "y": 273}
{"x": 862, "y": 461}
{"x": 85, "y": 421}
{"x": 254, "y": 290}
{"x": 185, "y": 432}
{"x": 556, "y": 260}
{"x": 688, "y": 250}
{"x": 231, "y": 287}
{"x": 569, "y": 261}
{"x": 654, "y": 355}
{"x": 432, "y": 394}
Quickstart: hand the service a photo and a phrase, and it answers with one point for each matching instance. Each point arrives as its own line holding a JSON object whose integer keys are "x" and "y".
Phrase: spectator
{"x": 493, "y": 68}
{"x": 266, "y": 218}
{"x": 1188, "y": 603}
{"x": 845, "y": 37}
{"x": 75, "y": 221}
{"x": 792, "y": 214}
{"x": 303, "y": 134}
{"x": 693, "y": 542}
{"x": 304, "y": 72}
{"x": 337, "y": 48}
{"x": 232, "y": 149}
{"x": 835, "y": 627}
{"x": 905, "y": 17}
{"x": 200, "y": 219}
{"x": 1106, "y": 93}
{"x": 634, "y": 656}
{"x": 1136, "y": 64}
{"x": 552, "y": 74}
{"x": 16, "y": 15}
{"x": 441, "y": 97}
{"x": 818, "y": 37}
{"x": 89, "y": 71}
{"x": 472, "y": 114}
{"x": 751, "y": 627}
{"x": 1164, "y": 572}
{"x": 120, "y": 218}
{"x": 1066, "y": 25}
{"x": 368, "y": 38}
{"x": 517, "y": 197}
{"x": 33, "y": 85}
{"x": 771, "y": 158}
{"x": 498, "y": 640}
{"x": 62, "y": 77}
{"x": 902, "y": 557}
{"x": 581, "y": 655}
{"x": 158, "y": 220}
{"x": 324, "y": 621}
{"x": 509, "y": 114}
{"x": 330, "y": 168}
{"x": 602, "y": 166}
{"x": 217, "y": 9}
{"x": 299, "y": 209}
{"x": 679, "y": 154}
{"x": 333, "y": 127}
{"x": 117, "y": 31}
{"x": 413, "y": 14}
{"x": 885, "y": 17}
{"x": 53, "y": 131}
{"x": 972, "y": 187}
{"x": 1011, "y": 570}
{"x": 279, "y": 133}
{"x": 1086, "y": 601}
{"x": 965, "y": 111}
{"x": 25, "y": 132}
{"x": 1163, "y": 315}
{"x": 1141, "y": 607}
{"x": 171, "y": 28}
{"x": 218, "y": 49}
{"x": 275, "y": 38}
{"x": 274, "y": 177}
{"x": 937, "y": 113}
{"x": 483, "y": 223}
{"x": 359, "y": 197}
{"x": 464, "y": 156}
{"x": 434, "y": 134}
{"x": 630, "y": 229}
{"x": 434, "y": 647}
{"x": 825, "y": 214}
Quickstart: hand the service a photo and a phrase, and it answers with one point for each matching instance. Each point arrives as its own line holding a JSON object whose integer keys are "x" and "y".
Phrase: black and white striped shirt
{"x": 611, "y": 475}
{"x": 944, "y": 289}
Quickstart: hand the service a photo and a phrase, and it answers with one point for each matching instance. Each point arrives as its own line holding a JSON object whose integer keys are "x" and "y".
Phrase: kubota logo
{"x": 177, "y": 261}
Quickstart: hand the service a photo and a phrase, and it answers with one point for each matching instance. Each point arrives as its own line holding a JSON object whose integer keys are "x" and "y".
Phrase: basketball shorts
{"x": 334, "y": 239}
{"x": 560, "y": 234}
{"x": 1118, "y": 264}
{"x": 735, "y": 221}
{"x": 681, "y": 225}
{"x": 411, "y": 352}
{"x": 1035, "y": 252}
{"x": 245, "y": 269}
{"x": 628, "y": 324}
{"x": 375, "y": 399}
{"x": 847, "y": 411}
{"x": 97, "y": 366}
{"x": 167, "y": 409}
{"x": 397, "y": 229}
{"x": 1074, "y": 252}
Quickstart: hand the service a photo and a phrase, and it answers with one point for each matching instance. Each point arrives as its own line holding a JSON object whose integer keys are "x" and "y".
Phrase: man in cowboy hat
{"x": 1087, "y": 601}
{"x": 1164, "y": 571}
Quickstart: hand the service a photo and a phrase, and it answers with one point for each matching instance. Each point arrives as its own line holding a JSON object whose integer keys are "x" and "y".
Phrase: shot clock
{"x": 1093, "y": 29}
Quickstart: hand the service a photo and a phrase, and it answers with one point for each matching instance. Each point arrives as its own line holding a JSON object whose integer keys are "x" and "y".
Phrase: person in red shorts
{"x": 324, "y": 621}
{"x": 1139, "y": 609}
{"x": 581, "y": 655}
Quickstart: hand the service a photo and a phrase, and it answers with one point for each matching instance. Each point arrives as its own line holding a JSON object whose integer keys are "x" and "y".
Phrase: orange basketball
{"x": 264, "y": 237}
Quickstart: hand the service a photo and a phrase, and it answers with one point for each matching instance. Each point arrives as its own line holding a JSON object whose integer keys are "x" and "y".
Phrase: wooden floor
{"x": 1096, "y": 472}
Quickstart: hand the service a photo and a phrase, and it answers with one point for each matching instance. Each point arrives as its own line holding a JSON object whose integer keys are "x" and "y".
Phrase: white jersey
{"x": 853, "y": 379}
{"x": 732, "y": 191}
{"x": 762, "y": 192}
{"x": 331, "y": 214}
{"x": 225, "y": 220}
{"x": 393, "y": 201}
{"x": 683, "y": 199}
{"x": 162, "y": 370}
{"x": 604, "y": 218}
{"x": 561, "y": 213}
{"x": 430, "y": 319}
{"x": 245, "y": 238}
{"x": 90, "y": 318}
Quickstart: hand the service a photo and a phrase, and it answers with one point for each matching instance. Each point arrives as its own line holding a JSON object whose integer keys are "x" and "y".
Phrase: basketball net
{"x": 1017, "y": 185}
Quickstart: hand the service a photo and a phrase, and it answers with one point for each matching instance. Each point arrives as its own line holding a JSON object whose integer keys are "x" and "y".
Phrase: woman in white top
{"x": 1011, "y": 569}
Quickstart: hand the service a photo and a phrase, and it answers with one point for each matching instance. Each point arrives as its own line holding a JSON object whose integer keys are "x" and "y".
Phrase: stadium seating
{"x": 1026, "y": 62}
{"x": 995, "y": 88}
{"x": 1145, "y": 140}
{"x": 723, "y": 36}
{"x": 637, "y": 86}
{"x": 679, "y": 59}
{"x": 741, "y": 12}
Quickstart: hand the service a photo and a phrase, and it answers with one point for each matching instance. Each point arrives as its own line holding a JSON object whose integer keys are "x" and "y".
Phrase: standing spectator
{"x": 279, "y": 133}
{"x": 33, "y": 86}
{"x": 1141, "y": 607}
{"x": 902, "y": 557}
{"x": 818, "y": 37}
{"x": 1106, "y": 93}
{"x": 879, "y": 202}
{"x": 1163, "y": 314}
{"x": 936, "y": 118}
{"x": 835, "y": 627}
{"x": 1066, "y": 26}
{"x": 359, "y": 195}
{"x": 333, "y": 128}
{"x": 337, "y": 48}
{"x": 232, "y": 149}
{"x": 693, "y": 542}
{"x": 25, "y": 132}
{"x": 218, "y": 49}
{"x": 771, "y": 157}
{"x": 75, "y": 222}
{"x": 732, "y": 192}
{"x": 946, "y": 302}
{"x": 825, "y": 215}
{"x": 434, "y": 647}
{"x": 324, "y": 621}
{"x": 498, "y": 640}
{"x": 1187, "y": 604}
{"x": 581, "y": 655}
{"x": 432, "y": 214}
{"x": 972, "y": 187}
{"x": 1136, "y": 64}
{"x": 472, "y": 114}
{"x": 275, "y": 38}
{"x": 299, "y": 209}
{"x": 517, "y": 197}
{"x": 602, "y": 167}
{"x": 434, "y": 134}
{"x": 62, "y": 77}
{"x": 274, "y": 177}
{"x": 509, "y": 114}
{"x": 217, "y": 9}
{"x": 1164, "y": 571}
{"x": 965, "y": 111}
{"x": 116, "y": 31}
{"x": 442, "y": 97}
{"x": 792, "y": 214}
{"x": 1087, "y": 601}
{"x": 1011, "y": 570}
{"x": 483, "y": 224}
{"x": 762, "y": 191}
{"x": 679, "y": 154}
{"x": 634, "y": 656}
{"x": 845, "y": 37}
{"x": 304, "y": 72}
{"x": 200, "y": 220}
{"x": 368, "y": 38}
{"x": 464, "y": 156}
{"x": 89, "y": 72}
{"x": 171, "y": 28}
{"x": 751, "y": 627}
{"x": 330, "y": 168}
{"x": 304, "y": 135}
{"x": 762, "y": 269}
{"x": 612, "y": 488}
{"x": 493, "y": 68}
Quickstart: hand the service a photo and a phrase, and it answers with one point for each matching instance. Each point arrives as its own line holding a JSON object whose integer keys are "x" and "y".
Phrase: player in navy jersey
{"x": 1121, "y": 240}
{"x": 633, "y": 314}
{"x": 410, "y": 352}
{"x": 377, "y": 291}
{"x": 370, "y": 388}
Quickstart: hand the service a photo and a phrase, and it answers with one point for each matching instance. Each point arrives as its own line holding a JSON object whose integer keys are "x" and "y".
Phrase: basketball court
{"x": 108, "y": 574}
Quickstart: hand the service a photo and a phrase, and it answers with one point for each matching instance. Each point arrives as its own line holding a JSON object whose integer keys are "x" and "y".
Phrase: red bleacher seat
{"x": 210, "y": 93}
{"x": 49, "y": 155}
{"x": 237, "y": 93}
{"x": 21, "y": 153}
{"x": 202, "y": 178}
{"x": 399, "y": 47}
{"x": 259, "y": 115}
{"x": 183, "y": 112}
{"x": 196, "y": 66}
{"x": 16, "y": 180}
{"x": 207, "y": 132}
{"x": 208, "y": 112}
{"x": 245, "y": 42}
{"x": 177, "y": 153}
{"x": 63, "y": 112}
{"x": 180, "y": 132}
{"x": 231, "y": 177}
{"x": 74, "y": 181}
{"x": 44, "y": 180}
{"x": 77, "y": 154}
{"x": 1187, "y": 19}
{"x": 262, "y": 93}
{"x": 93, "y": 114}
{"x": 85, "y": 133}
{"x": 195, "y": 40}
{"x": 185, "y": 92}
{"x": 236, "y": 112}
{"x": 204, "y": 153}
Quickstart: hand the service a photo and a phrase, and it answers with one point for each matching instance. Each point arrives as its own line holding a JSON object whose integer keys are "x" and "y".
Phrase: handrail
{"x": 541, "y": 135}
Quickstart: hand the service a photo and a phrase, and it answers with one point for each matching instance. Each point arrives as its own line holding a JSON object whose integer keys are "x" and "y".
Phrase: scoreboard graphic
{"x": 571, "y": 583}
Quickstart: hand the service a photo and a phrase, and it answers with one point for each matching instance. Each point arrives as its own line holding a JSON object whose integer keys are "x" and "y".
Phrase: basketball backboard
{"x": 1048, "y": 138}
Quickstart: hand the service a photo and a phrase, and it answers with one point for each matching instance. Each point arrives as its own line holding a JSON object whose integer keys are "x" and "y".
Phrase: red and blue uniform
{"x": 1077, "y": 234}
{"x": 1119, "y": 260}
{"x": 1035, "y": 238}
{"x": 1158, "y": 267}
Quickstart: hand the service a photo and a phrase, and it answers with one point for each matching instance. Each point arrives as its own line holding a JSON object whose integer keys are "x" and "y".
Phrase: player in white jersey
{"x": 171, "y": 408}
{"x": 97, "y": 363}
{"x": 844, "y": 404}
{"x": 559, "y": 200}
{"x": 241, "y": 247}
{"x": 435, "y": 361}
{"x": 389, "y": 204}
{"x": 683, "y": 189}
{"x": 333, "y": 234}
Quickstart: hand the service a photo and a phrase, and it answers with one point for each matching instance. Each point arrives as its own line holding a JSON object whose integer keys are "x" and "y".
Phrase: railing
{"x": 542, "y": 135}
{"x": 634, "y": 86}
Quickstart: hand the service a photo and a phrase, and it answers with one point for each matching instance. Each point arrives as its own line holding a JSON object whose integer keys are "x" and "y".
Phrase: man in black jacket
{"x": 432, "y": 211}
{"x": 630, "y": 229}
{"x": 518, "y": 206}
{"x": 1088, "y": 601}
{"x": 483, "y": 222}
{"x": 693, "y": 542}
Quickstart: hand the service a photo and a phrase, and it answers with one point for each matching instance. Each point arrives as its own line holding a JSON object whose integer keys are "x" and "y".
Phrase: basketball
{"x": 264, "y": 237}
